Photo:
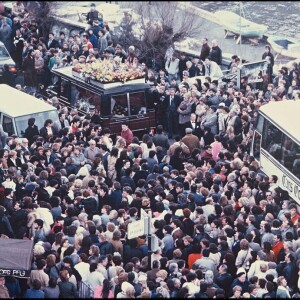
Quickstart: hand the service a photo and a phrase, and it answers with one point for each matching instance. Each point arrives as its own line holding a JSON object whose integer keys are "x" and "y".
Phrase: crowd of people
{"x": 224, "y": 229}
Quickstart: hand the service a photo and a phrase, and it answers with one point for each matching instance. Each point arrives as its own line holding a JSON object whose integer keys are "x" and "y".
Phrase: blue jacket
{"x": 34, "y": 294}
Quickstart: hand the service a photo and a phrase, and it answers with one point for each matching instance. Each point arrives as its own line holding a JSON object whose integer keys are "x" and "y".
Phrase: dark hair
{"x": 36, "y": 284}
{"x": 52, "y": 282}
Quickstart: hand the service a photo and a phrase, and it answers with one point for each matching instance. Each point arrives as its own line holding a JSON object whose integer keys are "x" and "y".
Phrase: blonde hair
{"x": 78, "y": 183}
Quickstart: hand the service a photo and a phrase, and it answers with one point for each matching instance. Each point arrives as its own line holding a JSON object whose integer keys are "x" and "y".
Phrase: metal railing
{"x": 84, "y": 291}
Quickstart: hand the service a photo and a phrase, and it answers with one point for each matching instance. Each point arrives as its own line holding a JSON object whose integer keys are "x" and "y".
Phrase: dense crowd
{"x": 224, "y": 229}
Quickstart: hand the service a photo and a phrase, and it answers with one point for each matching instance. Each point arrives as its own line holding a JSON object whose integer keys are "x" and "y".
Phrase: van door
{"x": 8, "y": 126}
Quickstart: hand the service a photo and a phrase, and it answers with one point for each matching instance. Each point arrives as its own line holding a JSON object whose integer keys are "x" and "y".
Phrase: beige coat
{"x": 111, "y": 170}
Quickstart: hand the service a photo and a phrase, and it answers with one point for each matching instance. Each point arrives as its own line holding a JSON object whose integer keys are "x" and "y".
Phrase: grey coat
{"x": 211, "y": 121}
{"x": 184, "y": 112}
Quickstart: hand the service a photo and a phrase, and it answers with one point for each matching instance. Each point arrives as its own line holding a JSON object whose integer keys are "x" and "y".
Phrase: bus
{"x": 276, "y": 144}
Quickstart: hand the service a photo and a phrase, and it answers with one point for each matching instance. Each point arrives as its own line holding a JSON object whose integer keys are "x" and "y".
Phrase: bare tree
{"x": 42, "y": 12}
{"x": 160, "y": 25}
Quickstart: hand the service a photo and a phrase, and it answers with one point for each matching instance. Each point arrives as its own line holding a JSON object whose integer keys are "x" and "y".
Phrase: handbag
{"x": 245, "y": 258}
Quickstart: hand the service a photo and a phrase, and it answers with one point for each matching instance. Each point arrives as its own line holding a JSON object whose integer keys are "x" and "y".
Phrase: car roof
{"x": 16, "y": 103}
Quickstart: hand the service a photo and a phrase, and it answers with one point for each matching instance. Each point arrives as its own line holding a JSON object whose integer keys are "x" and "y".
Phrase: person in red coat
{"x": 126, "y": 134}
{"x": 278, "y": 245}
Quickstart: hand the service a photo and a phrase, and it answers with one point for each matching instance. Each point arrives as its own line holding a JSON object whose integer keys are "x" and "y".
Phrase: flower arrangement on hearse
{"x": 108, "y": 71}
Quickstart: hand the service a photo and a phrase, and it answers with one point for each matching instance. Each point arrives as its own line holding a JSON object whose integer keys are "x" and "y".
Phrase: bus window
{"x": 290, "y": 157}
{"x": 256, "y": 145}
{"x": 260, "y": 123}
{"x": 272, "y": 140}
{"x": 296, "y": 163}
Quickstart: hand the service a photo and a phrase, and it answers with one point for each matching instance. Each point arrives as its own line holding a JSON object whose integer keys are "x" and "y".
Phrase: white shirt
{"x": 94, "y": 279}
{"x": 83, "y": 269}
{"x": 44, "y": 214}
{"x": 193, "y": 289}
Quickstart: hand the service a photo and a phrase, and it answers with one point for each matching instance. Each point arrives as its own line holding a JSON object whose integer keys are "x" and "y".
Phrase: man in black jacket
{"x": 205, "y": 49}
{"x": 19, "y": 221}
{"x": 216, "y": 52}
{"x": 105, "y": 247}
{"x": 182, "y": 64}
{"x": 172, "y": 102}
{"x": 52, "y": 42}
{"x": 224, "y": 279}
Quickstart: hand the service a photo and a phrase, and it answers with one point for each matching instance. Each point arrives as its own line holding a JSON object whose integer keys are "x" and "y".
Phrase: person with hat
{"x": 241, "y": 281}
{"x": 95, "y": 117}
{"x": 84, "y": 52}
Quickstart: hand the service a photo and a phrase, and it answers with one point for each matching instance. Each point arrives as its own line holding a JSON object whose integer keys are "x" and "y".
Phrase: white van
{"x": 17, "y": 107}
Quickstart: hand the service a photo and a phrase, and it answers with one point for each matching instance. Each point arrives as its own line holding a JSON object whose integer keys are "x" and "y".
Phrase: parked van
{"x": 16, "y": 107}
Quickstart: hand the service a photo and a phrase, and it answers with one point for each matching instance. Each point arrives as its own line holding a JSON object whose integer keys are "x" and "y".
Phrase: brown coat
{"x": 118, "y": 246}
{"x": 192, "y": 141}
{"x": 184, "y": 147}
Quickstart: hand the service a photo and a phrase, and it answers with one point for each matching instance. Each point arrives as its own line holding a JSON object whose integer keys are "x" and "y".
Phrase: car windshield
{"x": 3, "y": 53}
{"x": 40, "y": 118}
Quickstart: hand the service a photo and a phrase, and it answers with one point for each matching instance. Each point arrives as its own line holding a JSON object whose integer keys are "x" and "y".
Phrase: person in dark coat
{"x": 241, "y": 281}
{"x": 224, "y": 279}
{"x": 116, "y": 196}
{"x": 52, "y": 42}
{"x": 131, "y": 250}
{"x": 19, "y": 45}
{"x": 105, "y": 247}
{"x": 176, "y": 160}
{"x": 172, "y": 102}
{"x": 127, "y": 179}
{"x": 5, "y": 226}
{"x": 187, "y": 223}
{"x": 182, "y": 64}
{"x": 67, "y": 289}
{"x": 215, "y": 52}
{"x": 160, "y": 139}
{"x": 29, "y": 69}
{"x": 268, "y": 53}
{"x": 205, "y": 50}
{"x": 48, "y": 129}
{"x": 8, "y": 77}
{"x": 288, "y": 269}
{"x": 19, "y": 221}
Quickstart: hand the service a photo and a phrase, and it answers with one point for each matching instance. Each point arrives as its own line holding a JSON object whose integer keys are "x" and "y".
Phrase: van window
{"x": 40, "y": 118}
{"x": 7, "y": 124}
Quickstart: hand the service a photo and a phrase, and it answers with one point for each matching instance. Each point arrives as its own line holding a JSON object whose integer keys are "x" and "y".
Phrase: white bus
{"x": 276, "y": 144}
